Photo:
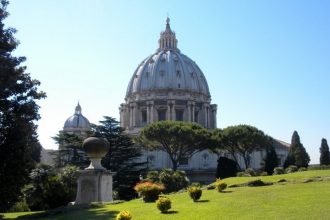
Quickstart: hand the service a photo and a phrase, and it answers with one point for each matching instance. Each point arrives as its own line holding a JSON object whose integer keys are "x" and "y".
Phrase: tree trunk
{"x": 174, "y": 165}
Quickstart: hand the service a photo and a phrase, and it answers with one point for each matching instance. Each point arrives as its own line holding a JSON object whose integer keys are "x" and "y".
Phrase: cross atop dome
{"x": 167, "y": 40}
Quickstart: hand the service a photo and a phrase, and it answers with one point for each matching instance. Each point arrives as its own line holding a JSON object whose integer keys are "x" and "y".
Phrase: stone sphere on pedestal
{"x": 95, "y": 148}
{"x": 95, "y": 182}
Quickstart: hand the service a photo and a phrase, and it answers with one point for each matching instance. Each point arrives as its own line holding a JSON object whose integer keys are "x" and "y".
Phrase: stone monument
{"x": 95, "y": 182}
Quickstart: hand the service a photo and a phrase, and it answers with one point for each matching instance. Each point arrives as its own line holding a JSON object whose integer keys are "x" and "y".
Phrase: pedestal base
{"x": 94, "y": 186}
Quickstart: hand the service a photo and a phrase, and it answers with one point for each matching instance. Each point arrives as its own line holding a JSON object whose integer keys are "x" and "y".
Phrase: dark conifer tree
{"x": 123, "y": 157}
{"x": 297, "y": 153}
{"x": 70, "y": 150}
{"x": 19, "y": 145}
{"x": 325, "y": 154}
{"x": 271, "y": 159}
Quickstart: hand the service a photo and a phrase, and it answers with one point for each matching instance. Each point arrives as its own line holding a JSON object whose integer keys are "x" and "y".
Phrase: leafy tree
{"x": 19, "y": 146}
{"x": 123, "y": 157}
{"x": 325, "y": 154}
{"x": 297, "y": 153}
{"x": 70, "y": 150}
{"x": 178, "y": 139}
{"x": 240, "y": 140}
{"x": 271, "y": 159}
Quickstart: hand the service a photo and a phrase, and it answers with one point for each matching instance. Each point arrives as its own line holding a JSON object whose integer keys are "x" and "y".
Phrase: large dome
{"x": 168, "y": 69}
{"x": 77, "y": 123}
{"x": 167, "y": 85}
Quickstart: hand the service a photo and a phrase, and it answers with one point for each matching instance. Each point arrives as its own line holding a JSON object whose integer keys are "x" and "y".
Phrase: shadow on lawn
{"x": 73, "y": 212}
{"x": 228, "y": 191}
{"x": 170, "y": 212}
{"x": 203, "y": 200}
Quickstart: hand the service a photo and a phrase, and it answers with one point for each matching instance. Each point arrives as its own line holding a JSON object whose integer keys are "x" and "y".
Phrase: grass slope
{"x": 291, "y": 200}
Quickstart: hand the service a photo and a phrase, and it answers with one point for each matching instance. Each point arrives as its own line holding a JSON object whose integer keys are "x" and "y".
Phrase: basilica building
{"x": 168, "y": 85}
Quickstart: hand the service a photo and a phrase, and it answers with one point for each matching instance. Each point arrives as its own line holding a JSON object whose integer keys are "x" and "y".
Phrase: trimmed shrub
{"x": 173, "y": 180}
{"x": 291, "y": 169}
{"x": 301, "y": 169}
{"x": 250, "y": 172}
{"x": 149, "y": 191}
{"x": 278, "y": 171}
{"x": 163, "y": 204}
{"x": 263, "y": 173}
{"x": 124, "y": 215}
{"x": 195, "y": 193}
{"x": 220, "y": 185}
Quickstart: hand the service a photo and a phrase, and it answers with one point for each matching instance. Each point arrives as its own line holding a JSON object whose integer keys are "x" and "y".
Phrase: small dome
{"x": 168, "y": 70}
{"x": 77, "y": 122}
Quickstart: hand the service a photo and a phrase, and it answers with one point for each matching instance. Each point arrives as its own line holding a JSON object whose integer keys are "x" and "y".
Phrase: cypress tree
{"x": 19, "y": 145}
{"x": 297, "y": 153}
{"x": 325, "y": 154}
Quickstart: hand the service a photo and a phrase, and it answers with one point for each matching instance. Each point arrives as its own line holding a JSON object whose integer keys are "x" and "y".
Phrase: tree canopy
{"x": 240, "y": 140}
{"x": 297, "y": 153}
{"x": 19, "y": 145}
{"x": 178, "y": 139}
{"x": 325, "y": 154}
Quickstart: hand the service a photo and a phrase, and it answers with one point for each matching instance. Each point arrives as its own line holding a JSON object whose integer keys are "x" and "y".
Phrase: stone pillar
{"x": 94, "y": 186}
{"x": 148, "y": 113}
{"x": 95, "y": 182}
{"x": 193, "y": 112}
{"x": 130, "y": 116}
{"x": 134, "y": 115}
{"x": 189, "y": 109}
{"x": 152, "y": 111}
{"x": 173, "y": 111}
{"x": 214, "y": 108}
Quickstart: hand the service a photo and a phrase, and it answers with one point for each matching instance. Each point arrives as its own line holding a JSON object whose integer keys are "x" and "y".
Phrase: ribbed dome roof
{"x": 168, "y": 69}
{"x": 77, "y": 122}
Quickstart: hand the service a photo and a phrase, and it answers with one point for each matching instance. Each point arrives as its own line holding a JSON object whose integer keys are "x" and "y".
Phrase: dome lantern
{"x": 167, "y": 40}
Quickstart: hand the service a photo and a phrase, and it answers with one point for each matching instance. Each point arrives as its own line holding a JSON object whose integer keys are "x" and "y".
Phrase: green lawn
{"x": 291, "y": 200}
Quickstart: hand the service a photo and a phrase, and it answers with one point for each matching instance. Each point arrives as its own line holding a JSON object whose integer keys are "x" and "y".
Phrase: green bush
{"x": 250, "y": 172}
{"x": 301, "y": 169}
{"x": 263, "y": 174}
{"x": 246, "y": 173}
{"x": 278, "y": 171}
{"x": 20, "y": 206}
{"x": 149, "y": 191}
{"x": 124, "y": 215}
{"x": 319, "y": 167}
{"x": 220, "y": 185}
{"x": 163, "y": 204}
{"x": 291, "y": 169}
{"x": 173, "y": 180}
{"x": 195, "y": 193}
{"x": 242, "y": 174}
{"x": 50, "y": 188}
{"x": 153, "y": 176}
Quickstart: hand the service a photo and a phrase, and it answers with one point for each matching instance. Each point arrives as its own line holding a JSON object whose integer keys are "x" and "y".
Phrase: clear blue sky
{"x": 267, "y": 62}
